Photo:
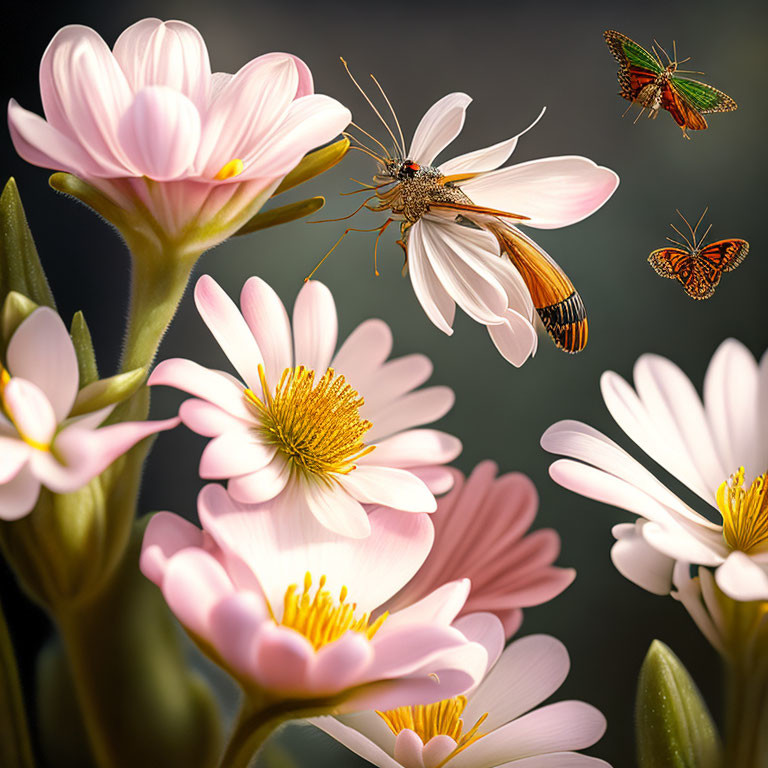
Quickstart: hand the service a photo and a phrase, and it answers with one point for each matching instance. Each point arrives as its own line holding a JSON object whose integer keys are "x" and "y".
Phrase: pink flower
{"x": 481, "y": 534}
{"x": 301, "y": 431}
{"x": 41, "y": 443}
{"x": 149, "y": 125}
{"x": 717, "y": 447}
{"x": 493, "y": 726}
{"x": 285, "y": 604}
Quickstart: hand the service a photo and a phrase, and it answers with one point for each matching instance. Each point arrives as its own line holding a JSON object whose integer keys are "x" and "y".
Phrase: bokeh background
{"x": 512, "y": 57}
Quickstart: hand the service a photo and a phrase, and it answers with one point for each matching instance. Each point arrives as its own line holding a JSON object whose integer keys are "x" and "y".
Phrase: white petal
{"x": 741, "y": 578}
{"x": 639, "y": 562}
{"x": 30, "y": 410}
{"x": 515, "y": 338}
{"x": 411, "y": 410}
{"x": 680, "y": 544}
{"x": 42, "y": 352}
{"x": 396, "y": 488}
{"x": 358, "y": 742}
{"x": 438, "y": 128}
{"x": 315, "y": 327}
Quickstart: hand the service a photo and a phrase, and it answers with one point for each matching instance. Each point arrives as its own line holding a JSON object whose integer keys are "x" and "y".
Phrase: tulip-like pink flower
{"x": 41, "y": 443}
{"x": 149, "y": 125}
{"x": 481, "y": 533}
{"x": 313, "y": 428}
{"x": 286, "y": 605}
{"x": 494, "y": 725}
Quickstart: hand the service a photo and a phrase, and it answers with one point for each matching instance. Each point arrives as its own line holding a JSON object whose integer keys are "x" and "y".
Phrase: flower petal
{"x": 515, "y": 339}
{"x": 741, "y": 578}
{"x": 263, "y": 484}
{"x": 19, "y": 494}
{"x": 363, "y": 352}
{"x": 42, "y": 352}
{"x": 165, "y": 535}
{"x": 208, "y": 419}
{"x": 336, "y": 509}
{"x": 31, "y": 411}
{"x": 413, "y": 448}
{"x": 315, "y": 327}
{"x": 638, "y": 561}
{"x": 438, "y": 128}
{"x": 412, "y": 410}
{"x": 396, "y": 488}
{"x": 238, "y": 452}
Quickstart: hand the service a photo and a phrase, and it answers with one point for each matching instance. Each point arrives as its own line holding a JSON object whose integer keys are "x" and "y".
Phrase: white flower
{"x": 718, "y": 448}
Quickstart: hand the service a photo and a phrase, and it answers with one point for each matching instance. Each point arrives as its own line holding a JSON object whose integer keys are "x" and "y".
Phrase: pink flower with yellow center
{"x": 481, "y": 533}
{"x": 149, "y": 125}
{"x": 290, "y": 608}
{"x": 47, "y": 437}
{"x": 313, "y": 431}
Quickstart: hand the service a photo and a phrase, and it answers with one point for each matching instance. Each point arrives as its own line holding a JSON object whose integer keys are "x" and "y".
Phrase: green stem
{"x": 252, "y": 729}
{"x": 746, "y": 723}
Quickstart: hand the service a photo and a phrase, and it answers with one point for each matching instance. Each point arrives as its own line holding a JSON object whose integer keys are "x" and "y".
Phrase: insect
{"x": 429, "y": 203}
{"x": 645, "y": 79}
{"x": 698, "y": 267}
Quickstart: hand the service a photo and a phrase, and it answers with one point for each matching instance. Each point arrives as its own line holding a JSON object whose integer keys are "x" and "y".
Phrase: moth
{"x": 697, "y": 267}
{"x": 645, "y": 79}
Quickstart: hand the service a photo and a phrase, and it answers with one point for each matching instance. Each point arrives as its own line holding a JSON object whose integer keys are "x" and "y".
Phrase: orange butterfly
{"x": 698, "y": 267}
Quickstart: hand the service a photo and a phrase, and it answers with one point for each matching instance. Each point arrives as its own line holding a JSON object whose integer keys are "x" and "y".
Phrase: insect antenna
{"x": 663, "y": 51}
{"x": 348, "y": 216}
{"x": 695, "y": 229}
{"x": 674, "y": 51}
{"x": 365, "y": 148}
{"x": 655, "y": 53}
{"x": 675, "y": 242}
{"x": 346, "y": 232}
{"x": 365, "y": 187}
{"x": 394, "y": 115}
{"x": 692, "y": 247}
{"x": 704, "y": 237}
{"x": 372, "y": 138}
{"x": 690, "y": 71}
{"x": 370, "y": 103}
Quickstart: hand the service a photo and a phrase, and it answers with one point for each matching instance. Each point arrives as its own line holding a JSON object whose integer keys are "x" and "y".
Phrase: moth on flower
{"x": 458, "y": 217}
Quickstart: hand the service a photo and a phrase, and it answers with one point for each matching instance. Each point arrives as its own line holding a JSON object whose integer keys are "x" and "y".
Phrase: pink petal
{"x": 391, "y": 381}
{"x": 160, "y": 133}
{"x": 434, "y": 299}
{"x": 236, "y": 622}
{"x": 741, "y": 578}
{"x": 238, "y": 452}
{"x": 283, "y": 659}
{"x": 315, "y": 327}
{"x": 363, "y": 352}
{"x": 437, "y": 749}
{"x": 165, "y": 535}
{"x": 229, "y": 329}
{"x": 213, "y": 386}
{"x": 396, "y": 488}
{"x": 558, "y": 760}
{"x": 485, "y": 159}
{"x": 336, "y": 509}
{"x": 19, "y": 495}
{"x": 437, "y": 479}
{"x": 441, "y": 606}
{"x": 340, "y": 664}
{"x": 31, "y": 411}
{"x": 41, "y": 144}
{"x": 483, "y": 628}
{"x": 170, "y": 53}
{"x": 14, "y": 454}
{"x": 412, "y": 410}
{"x": 269, "y": 324}
{"x": 84, "y": 94}
{"x": 413, "y": 448}
{"x": 638, "y": 561}
{"x": 208, "y": 419}
{"x": 438, "y": 128}
{"x": 194, "y": 583}
{"x": 263, "y": 484}
{"x": 552, "y": 192}
{"x": 355, "y": 741}
{"x": 408, "y": 749}
{"x": 42, "y": 352}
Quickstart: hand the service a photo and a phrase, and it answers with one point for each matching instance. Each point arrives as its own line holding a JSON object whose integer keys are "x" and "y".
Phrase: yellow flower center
{"x": 5, "y": 377}
{"x": 322, "y": 619}
{"x": 745, "y": 512}
{"x": 231, "y": 169}
{"x": 316, "y": 426}
{"x": 443, "y": 718}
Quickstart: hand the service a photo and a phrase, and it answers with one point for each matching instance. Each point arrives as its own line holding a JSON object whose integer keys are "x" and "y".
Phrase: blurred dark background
{"x": 512, "y": 57}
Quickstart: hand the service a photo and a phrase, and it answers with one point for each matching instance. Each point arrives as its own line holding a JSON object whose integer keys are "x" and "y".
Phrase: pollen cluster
{"x": 315, "y": 425}
{"x": 443, "y": 718}
{"x": 323, "y": 619}
{"x": 745, "y": 512}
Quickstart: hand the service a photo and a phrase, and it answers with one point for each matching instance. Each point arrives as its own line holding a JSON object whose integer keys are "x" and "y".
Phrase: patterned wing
{"x": 702, "y": 97}
{"x": 697, "y": 278}
{"x": 724, "y": 255}
{"x": 633, "y": 79}
{"x": 684, "y": 113}
{"x": 628, "y": 53}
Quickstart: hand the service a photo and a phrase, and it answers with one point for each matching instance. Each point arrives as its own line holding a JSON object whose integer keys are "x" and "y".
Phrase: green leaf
{"x": 314, "y": 164}
{"x": 104, "y": 392}
{"x": 282, "y": 215}
{"x": 20, "y": 268}
{"x": 85, "y": 193}
{"x": 15, "y": 746}
{"x": 673, "y": 726}
{"x": 86, "y": 357}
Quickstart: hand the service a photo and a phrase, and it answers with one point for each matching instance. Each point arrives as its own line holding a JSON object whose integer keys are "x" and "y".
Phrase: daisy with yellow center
{"x": 311, "y": 430}
{"x": 699, "y": 442}
{"x": 234, "y": 586}
{"x": 492, "y": 725}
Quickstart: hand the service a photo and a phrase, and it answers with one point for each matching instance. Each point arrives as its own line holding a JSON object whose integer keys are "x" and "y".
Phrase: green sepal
{"x": 86, "y": 357}
{"x": 20, "y": 268}
{"x": 16, "y": 308}
{"x": 85, "y": 193}
{"x": 314, "y": 164}
{"x": 673, "y": 726}
{"x": 15, "y": 745}
{"x": 104, "y": 392}
{"x": 282, "y": 215}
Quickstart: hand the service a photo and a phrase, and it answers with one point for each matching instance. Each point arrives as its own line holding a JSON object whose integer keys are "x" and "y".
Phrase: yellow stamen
{"x": 442, "y": 718}
{"x": 321, "y": 619}
{"x": 745, "y": 512}
{"x": 5, "y": 377}
{"x": 317, "y": 427}
{"x": 231, "y": 169}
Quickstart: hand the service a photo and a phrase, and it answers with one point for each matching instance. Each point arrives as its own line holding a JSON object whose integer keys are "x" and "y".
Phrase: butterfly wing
{"x": 675, "y": 263}
{"x": 556, "y": 300}
{"x": 702, "y": 97}
{"x": 637, "y": 67}
{"x": 724, "y": 255}
{"x": 684, "y": 113}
